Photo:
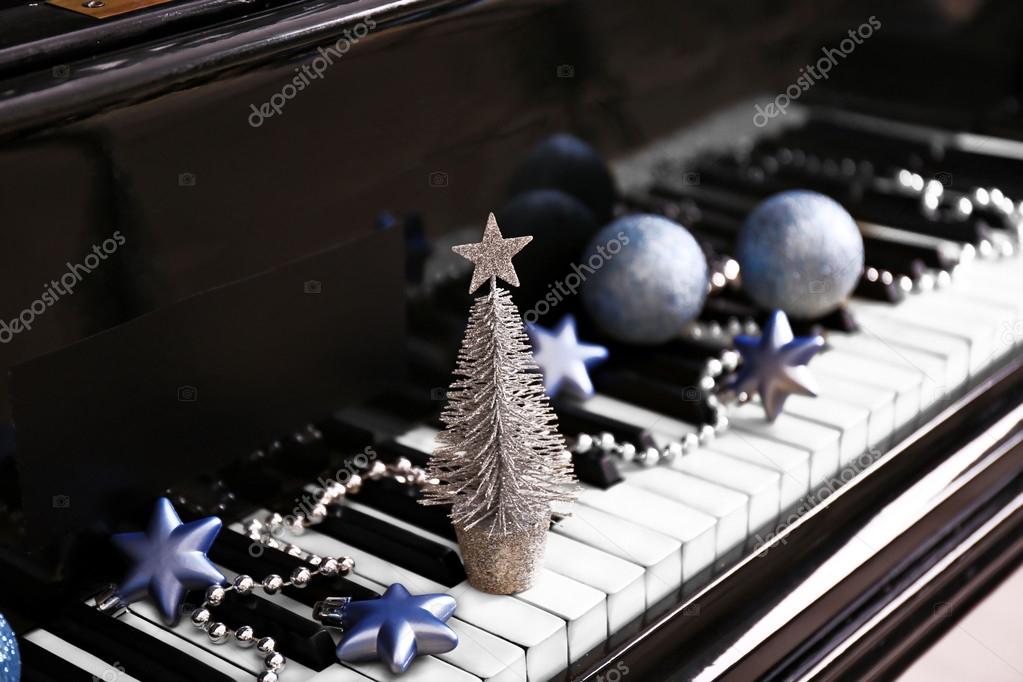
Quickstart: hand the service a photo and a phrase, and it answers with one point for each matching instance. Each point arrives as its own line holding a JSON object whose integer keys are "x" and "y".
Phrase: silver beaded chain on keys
{"x": 649, "y": 454}
{"x": 245, "y": 636}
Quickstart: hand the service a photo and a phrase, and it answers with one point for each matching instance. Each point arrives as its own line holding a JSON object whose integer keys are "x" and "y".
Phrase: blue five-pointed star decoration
{"x": 396, "y": 628}
{"x": 170, "y": 559}
{"x": 563, "y": 359}
{"x": 774, "y": 364}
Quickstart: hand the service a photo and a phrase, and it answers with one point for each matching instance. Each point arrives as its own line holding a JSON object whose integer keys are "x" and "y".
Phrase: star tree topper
{"x": 170, "y": 559}
{"x": 774, "y": 364}
{"x": 492, "y": 256}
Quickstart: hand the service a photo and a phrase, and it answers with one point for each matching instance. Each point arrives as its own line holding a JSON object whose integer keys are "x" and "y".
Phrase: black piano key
{"x": 343, "y": 435}
{"x": 410, "y": 402}
{"x": 573, "y": 419}
{"x": 682, "y": 402}
{"x": 672, "y": 369}
{"x": 240, "y": 554}
{"x": 40, "y": 665}
{"x": 878, "y": 255}
{"x": 879, "y": 291}
{"x": 303, "y": 639}
{"x": 390, "y": 450}
{"x": 693, "y": 348}
{"x": 401, "y": 502}
{"x": 114, "y": 641}
{"x": 302, "y": 454}
{"x": 724, "y": 306}
{"x": 891, "y": 210}
{"x": 393, "y": 544}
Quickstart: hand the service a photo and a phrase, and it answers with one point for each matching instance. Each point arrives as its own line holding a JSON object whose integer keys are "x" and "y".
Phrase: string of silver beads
{"x": 649, "y": 454}
{"x": 266, "y": 531}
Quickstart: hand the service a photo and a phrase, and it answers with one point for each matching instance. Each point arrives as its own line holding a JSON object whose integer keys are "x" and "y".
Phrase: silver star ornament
{"x": 492, "y": 256}
{"x": 774, "y": 364}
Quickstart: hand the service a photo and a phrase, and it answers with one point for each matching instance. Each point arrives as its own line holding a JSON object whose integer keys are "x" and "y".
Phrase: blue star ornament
{"x": 774, "y": 364}
{"x": 563, "y": 359}
{"x": 396, "y": 628}
{"x": 170, "y": 559}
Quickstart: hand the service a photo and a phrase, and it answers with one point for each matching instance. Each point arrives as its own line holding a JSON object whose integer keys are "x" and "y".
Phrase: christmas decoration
{"x": 646, "y": 279}
{"x": 10, "y": 658}
{"x": 394, "y": 629}
{"x": 500, "y": 462}
{"x": 774, "y": 364}
{"x": 800, "y": 251}
{"x": 170, "y": 559}
{"x": 563, "y": 359}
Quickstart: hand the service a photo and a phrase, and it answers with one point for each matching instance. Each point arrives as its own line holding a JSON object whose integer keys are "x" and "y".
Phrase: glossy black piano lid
{"x": 107, "y": 423}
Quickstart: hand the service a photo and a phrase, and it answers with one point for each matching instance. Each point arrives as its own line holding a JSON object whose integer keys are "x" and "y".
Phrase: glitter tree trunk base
{"x": 502, "y": 563}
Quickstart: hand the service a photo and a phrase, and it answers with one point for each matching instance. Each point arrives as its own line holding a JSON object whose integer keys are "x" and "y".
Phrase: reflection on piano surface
{"x": 818, "y": 544}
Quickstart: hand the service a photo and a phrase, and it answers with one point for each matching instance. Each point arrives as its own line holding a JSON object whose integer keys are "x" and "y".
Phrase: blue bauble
{"x": 800, "y": 251}
{"x": 566, "y": 163}
{"x": 10, "y": 658}
{"x": 650, "y": 281}
{"x": 561, "y": 226}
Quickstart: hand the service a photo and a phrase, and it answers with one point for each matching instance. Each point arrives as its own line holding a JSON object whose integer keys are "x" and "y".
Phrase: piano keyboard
{"x": 656, "y": 536}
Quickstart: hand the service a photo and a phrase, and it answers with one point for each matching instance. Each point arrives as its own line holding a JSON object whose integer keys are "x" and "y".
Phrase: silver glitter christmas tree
{"x": 500, "y": 460}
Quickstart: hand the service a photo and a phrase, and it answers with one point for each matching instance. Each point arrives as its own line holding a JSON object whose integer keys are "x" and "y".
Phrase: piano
{"x": 270, "y": 297}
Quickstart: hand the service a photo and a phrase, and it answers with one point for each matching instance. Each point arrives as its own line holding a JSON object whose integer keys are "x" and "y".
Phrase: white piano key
{"x": 423, "y": 669}
{"x": 245, "y": 659}
{"x": 542, "y": 635}
{"x": 849, "y": 420}
{"x": 695, "y": 530}
{"x": 936, "y": 321}
{"x": 581, "y": 606}
{"x": 729, "y": 507}
{"x": 906, "y": 383}
{"x": 336, "y": 673}
{"x": 821, "y": 441}
{"x": 660, "y": 555}
{"x": 1002, "y": 312}
{"x": 762, "y": 486}
{"x": 878, "y": 401}
{"x": 941, "y": 368}
{"x": 791, "y": 463}
{"x": 481, "y": 654}
{"x": 79, "y": 658}
{"x": 622, "y": 581}
{"x": 942, "y": 310}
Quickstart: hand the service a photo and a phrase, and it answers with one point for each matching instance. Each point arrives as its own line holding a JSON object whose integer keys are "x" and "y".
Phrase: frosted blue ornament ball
{"x": 800, "y": 252}
{"x": 648, "y": 280}
{"x": 10, "y": 658}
